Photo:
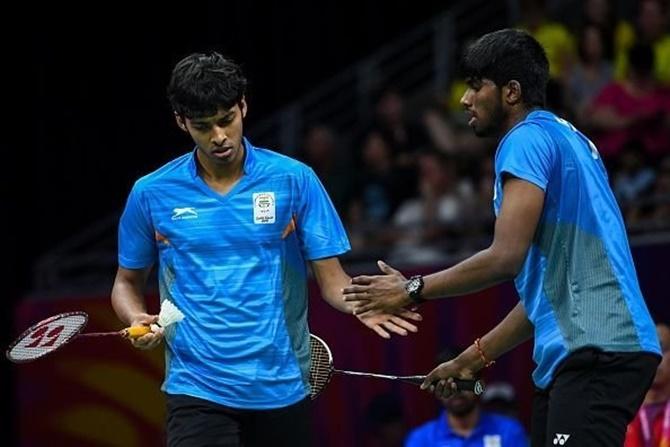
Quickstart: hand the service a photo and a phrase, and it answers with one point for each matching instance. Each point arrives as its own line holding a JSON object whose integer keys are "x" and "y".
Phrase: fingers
{"x": 356, "y": 297}
{"x": 408, "y": 314}
{"x": 406, "y": 325}
{"x": 394, "y": 328}
{"x": 363, "y": 280}
{"x": 147, "y": 341}
{"x": 355, "y": 289}
{"x": 381, "y": 332}
{"x": 384, "y": 267}
{"x": 428, "y": 381}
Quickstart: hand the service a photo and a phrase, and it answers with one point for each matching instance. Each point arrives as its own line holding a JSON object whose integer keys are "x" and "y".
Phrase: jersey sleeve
{"x": 527, "y": 153}
{"x": 136, "y": 241}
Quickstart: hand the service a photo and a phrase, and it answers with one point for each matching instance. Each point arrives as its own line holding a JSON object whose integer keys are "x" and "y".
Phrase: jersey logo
{"x": 188, "y": 212}
{"x": 561, "y": 439}
{"x": 264, "y": 207}
{"x": 492, "y": 440}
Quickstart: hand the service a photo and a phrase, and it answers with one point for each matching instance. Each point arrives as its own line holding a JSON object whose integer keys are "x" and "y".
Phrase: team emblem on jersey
{"x": 187, "y": 212}
{"x": 264, "y": 207}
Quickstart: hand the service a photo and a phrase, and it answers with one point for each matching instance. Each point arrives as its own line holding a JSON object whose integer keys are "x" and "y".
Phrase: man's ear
{"x": 243, "y": 106}
{"x": 180, "y": 122}
{"x": 512, "y": 92}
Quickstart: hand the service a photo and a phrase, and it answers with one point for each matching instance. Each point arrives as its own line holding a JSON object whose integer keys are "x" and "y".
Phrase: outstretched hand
{"x": 378, "y": 293}
{"x": 385, "y": 324}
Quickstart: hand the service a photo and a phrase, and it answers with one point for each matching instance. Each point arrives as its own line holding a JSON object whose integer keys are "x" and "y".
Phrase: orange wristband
{"x": 486, "y": 361}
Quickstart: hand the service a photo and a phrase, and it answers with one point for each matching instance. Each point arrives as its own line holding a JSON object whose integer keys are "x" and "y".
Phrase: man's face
{"x": 482, "y": 101}
{"x": 218, "y": 137}
{"x": 461, "y": 403}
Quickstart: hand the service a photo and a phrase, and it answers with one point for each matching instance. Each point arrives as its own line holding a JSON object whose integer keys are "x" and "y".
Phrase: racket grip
{"x": 135, "y": 331}
{"x": 476, "y": 386}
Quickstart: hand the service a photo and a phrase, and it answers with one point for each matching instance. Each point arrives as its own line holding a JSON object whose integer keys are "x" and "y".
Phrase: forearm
{"x": 332, "y": 293}
{"x": 478, "y": 272}
{"x": 513, "y": 330}
{"x": 332, "y": 279}
{"x": 128, "y": 299}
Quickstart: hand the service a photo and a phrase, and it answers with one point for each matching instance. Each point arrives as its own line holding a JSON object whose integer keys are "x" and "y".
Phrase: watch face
{"x": 413, "y": 285}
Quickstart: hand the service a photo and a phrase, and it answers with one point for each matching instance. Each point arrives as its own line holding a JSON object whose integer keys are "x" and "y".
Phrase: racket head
{"x": 46, "y": 336}
{"x": 321, "y": 365}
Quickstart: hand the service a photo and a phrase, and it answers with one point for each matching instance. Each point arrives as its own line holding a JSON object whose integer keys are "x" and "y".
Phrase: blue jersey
{"x": 235, "y": 264}
{"x": 492, "y": 430}
{"x": 578, "y": 283}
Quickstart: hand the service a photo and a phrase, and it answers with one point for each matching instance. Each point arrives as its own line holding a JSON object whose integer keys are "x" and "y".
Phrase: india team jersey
{"x": 235, "y": 264}
{"x": 578, "y": 284}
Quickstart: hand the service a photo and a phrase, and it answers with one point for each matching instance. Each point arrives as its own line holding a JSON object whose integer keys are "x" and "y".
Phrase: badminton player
{"x": 560, "y": 235}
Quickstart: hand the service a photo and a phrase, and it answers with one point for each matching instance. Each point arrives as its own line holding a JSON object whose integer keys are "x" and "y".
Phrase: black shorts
{"x": 193, "y": 422}
{"x": 593, "y": 397}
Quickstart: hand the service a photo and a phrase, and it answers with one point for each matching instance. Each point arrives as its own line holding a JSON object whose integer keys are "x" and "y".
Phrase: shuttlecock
{"x": 168, "y": 315}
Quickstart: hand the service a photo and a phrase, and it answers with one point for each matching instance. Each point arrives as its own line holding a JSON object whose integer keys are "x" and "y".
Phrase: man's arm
{"x": 513, "y": 330}
{"x": 514, "y": 231}
{"x": 129, "y": 304}
{"x": 332, "y": 279}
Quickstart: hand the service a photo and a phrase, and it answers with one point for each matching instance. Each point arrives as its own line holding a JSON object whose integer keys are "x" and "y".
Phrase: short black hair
{"x": 202, "y": 83}
{"x": 506, "y": 55}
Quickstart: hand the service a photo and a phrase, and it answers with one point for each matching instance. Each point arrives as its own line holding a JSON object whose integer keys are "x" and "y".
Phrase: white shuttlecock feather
{"x": 168, "y": 315}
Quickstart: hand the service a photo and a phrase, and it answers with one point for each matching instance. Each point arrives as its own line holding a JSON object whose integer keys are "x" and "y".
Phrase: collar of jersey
{"x": 249, "y": 159}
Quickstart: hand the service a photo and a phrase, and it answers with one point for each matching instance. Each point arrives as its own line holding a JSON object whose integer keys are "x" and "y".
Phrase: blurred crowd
{"x": 414, "y": 185}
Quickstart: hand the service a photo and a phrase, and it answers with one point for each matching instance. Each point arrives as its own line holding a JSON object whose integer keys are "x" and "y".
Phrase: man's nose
{"x": 219, "y": 135}
{"x": 465, "y": 99}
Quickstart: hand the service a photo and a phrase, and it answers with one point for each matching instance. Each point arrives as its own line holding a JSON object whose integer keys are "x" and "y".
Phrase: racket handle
{"x": 135, "y": 331}
{"x": 476, "y": 386}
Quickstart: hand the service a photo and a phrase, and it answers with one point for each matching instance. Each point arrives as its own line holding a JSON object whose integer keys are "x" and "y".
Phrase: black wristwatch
{"x": 413, "y": 287}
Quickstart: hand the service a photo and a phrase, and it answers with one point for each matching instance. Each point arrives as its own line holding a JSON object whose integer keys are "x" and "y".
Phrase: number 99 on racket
{"x": 55, "y": 332}
{"x": 322, "y": 369}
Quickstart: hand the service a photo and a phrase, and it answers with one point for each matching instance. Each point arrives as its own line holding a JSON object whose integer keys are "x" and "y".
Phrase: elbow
{"x": 507, "y": 263}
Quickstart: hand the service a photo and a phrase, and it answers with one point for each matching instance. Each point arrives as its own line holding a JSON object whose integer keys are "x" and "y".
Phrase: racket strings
{"x": 46, "y": 337}
{"x": 320, "y": 369}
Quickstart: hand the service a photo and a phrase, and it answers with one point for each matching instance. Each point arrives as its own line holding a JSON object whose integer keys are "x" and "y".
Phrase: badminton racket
{"x": 55, "y": 332}
{"x": 322, "y": 369}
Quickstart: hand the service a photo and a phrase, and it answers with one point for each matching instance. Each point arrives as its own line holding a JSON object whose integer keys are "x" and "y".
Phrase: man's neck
{"x": 463, "y": 425}
{"x": 220, "y": 177}
{"x": 514, "y": 117}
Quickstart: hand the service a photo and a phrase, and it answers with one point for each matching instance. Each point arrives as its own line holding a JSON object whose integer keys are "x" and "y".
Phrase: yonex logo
{"x": 188, "y": 212}
{"x": 561, "y": 439}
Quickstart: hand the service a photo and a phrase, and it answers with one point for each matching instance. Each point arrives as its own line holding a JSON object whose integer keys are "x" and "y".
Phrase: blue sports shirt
{"x": 235, "y": 264}
{"x": 491, "y": 430}
{"x": 578, "y": 283}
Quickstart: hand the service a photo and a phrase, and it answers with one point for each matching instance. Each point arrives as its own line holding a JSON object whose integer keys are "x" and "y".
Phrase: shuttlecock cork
{"x": 168, "y": 315}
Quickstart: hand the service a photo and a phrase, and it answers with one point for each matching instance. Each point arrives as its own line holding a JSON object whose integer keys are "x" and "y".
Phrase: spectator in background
{"x": 660, "y": 213}
{"x": 651, "y": 426}
{"x": 590, "y": 74}
{"x": 637, "y": 108}
{"x": 405, "y": 136}
{"x": 463, "y": 423}
{"x": 618, "y": 35}
{"x": 632, "y": 177}
{"x": 321, "y": 152}
{"x": 424, "y": 222}
{"x": 555, "y": 38}
{"x": 378, "y": 189}
{"x": 651, "y": 29}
